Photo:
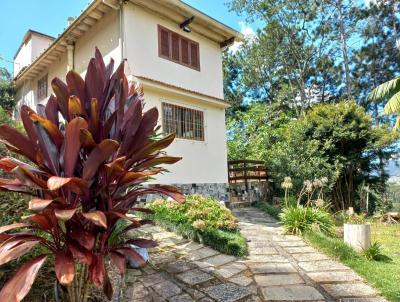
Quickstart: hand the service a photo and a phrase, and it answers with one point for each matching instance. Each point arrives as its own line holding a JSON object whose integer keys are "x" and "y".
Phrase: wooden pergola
{"x": 246, "y": 171}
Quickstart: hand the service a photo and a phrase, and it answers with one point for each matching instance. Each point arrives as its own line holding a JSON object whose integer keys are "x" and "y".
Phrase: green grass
{"x": 383, "y": 275}
{"x": 227, "y": 242}
{"x": 268, "y": 208}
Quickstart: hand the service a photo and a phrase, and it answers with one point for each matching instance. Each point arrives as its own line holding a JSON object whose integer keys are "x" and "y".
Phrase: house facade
{"x": 174, "y": 50}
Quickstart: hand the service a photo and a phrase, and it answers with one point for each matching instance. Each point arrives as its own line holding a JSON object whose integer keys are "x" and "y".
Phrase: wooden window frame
{"x": 190, "y": 44}
{"x": 42, "y": 87}
{"x": 192, "y": 122}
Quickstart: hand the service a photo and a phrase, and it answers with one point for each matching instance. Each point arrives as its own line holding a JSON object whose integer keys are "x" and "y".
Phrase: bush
{"x": 297, "y": 220}
{"x": 269, "y": 209}
{"x": 202, "y": 219}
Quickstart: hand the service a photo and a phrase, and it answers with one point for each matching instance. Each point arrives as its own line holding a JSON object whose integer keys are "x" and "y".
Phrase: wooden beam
{"x": 83, "y": 27}
{"x": 96, "y": 14}
{"x": 89, "y": 21}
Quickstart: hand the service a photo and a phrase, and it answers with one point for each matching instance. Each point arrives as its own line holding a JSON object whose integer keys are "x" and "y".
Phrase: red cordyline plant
{"x": 90, "y": 149}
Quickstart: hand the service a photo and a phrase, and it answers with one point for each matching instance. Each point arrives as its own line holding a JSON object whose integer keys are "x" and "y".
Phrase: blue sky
{"x": 50, "y": 17}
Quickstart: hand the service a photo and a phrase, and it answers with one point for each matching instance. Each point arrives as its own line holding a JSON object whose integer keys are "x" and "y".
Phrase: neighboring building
{"x": 176, "y": 53}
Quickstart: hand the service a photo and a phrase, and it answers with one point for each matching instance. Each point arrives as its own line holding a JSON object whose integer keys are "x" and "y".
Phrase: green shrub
{"x": 202, "y": 219}
{"x": 297, "y": 220}
{"x": 269, "y": 209}
{"x": 374, "y": 252}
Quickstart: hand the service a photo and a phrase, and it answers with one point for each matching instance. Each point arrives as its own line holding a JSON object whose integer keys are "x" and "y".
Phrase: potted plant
{"x": 357, "y": 233}
{"x": 85, "y": 172}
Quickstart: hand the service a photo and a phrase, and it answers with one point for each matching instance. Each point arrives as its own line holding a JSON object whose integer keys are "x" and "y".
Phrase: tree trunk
{"x": 78, "y": 290}
{"x": 343, "y": 38}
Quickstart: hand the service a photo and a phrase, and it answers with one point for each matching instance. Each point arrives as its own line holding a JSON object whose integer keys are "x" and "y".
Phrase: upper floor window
{"x": 177, "y": 48}
{"x": 184, "y": 122}
{"x": 42, "y": 87}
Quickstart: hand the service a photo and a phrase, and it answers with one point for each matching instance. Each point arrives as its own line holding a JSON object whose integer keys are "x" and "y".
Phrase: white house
{"x": 174, "y": 50}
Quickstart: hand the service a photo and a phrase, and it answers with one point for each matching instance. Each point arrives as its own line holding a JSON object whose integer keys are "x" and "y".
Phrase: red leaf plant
{"x": 90, "y": 151}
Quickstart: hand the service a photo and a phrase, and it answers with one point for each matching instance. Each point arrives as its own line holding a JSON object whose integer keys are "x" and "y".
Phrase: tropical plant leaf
{"x": 72, "y": 144}
{"x": 12, "y": 249}
{"x": 38, "y": 204}
{"x": 385, "y": 90}
{"x": 64, "y": 267}
{"x": 119, "y": 261}
{"x": 96, "y": 217}
{"x": 20, "y": 284}
{"x": 140, "y": 242}
{"x": 98, "y": 156}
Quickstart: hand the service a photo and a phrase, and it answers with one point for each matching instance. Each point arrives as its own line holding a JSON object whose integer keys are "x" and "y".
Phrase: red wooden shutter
{"x": 194, "y": 55}
{"x": 175, "y": 46}
{"x": 164, "y": 43}
{"x": 185, "y": 51}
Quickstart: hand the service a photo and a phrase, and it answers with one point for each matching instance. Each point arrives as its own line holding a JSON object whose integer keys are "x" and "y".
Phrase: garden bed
{"x": 203, "y": 220}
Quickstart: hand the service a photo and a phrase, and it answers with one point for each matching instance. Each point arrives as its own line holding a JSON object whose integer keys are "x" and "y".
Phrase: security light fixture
{"x": 185, "y": 25}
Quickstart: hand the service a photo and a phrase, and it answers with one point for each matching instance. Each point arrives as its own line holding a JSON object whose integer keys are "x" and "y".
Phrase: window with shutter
{"x": 194, "y": 55}
{"x": 164, "y": 43}
{"x": 185, "y": 51}
{"x": 177, "y": 48}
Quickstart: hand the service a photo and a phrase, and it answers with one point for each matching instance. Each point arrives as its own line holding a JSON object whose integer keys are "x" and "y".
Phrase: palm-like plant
{"x": 90, "y": 149}
{"x": 389, "y": 90}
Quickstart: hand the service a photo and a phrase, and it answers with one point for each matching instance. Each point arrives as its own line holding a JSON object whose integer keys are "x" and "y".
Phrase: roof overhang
{"x": 88, "y": 18}
{"x": 178, "y": 12}
{"x": 174, "y": 10}
{"x": 183, "y": 92}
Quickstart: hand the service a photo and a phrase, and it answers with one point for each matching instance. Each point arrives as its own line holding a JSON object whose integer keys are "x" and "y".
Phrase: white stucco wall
{"x": 24, "y": 57}
{"x": 30, "y": 50}
{"x": 141, "y": 38}
{"x": 203, "y": 161}
{"x": 104, "y": 35}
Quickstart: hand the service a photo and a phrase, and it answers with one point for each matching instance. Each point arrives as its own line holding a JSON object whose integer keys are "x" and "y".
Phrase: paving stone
{"x": 181, "y": 298}
{"x": 330, "y": 277}
{"x": 191, "y": 246}
{"x": 300, "y": 250}
{"x": 219, "y": 260}
{"x": 150, "y": 280}
{"x": 227, "y": 292}
{"x": 294, "y": 243}
{"x": 163, "y": 258}
{"x": 137, "y": 290}
{"x": 310, "y": 257}
{"x": 266, "y": 258}
{"x": 267, "y": 250}
{"x": 291, "y": 293}
{"x": 179, "y": 267}
{"x": 202, "y": 253}
{"x": 241, "y": 280}
{"x": 323, "y": 265}
{"x": 349, "y": 290}
{"x": 267, "y": 268}
{"x": 231, "y": 269}
{"x": 377, "y": 299}
{"x": 285, "y": 238}
{"x": 167, "y": 289}
{"x": 194, "y": 277}
{"x": 258, "y": 244}
{"x": 278, "y": 279}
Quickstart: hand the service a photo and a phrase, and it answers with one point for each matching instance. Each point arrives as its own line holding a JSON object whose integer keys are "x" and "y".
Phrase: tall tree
{"x": 285, "y": 60}
{"x": 7, "y": 90}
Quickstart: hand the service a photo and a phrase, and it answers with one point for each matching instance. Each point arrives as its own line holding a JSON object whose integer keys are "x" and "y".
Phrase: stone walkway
{"x": 279, "y": 268}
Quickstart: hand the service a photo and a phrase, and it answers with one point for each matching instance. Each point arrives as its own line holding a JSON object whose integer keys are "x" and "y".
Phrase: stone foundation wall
{"x": 257, "y": 192}
{"x": 219, "y": 191}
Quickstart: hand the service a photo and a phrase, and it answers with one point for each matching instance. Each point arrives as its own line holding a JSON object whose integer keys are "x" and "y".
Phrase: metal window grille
{"x": 185, "y": 122}
{"x": 42, "y": 87}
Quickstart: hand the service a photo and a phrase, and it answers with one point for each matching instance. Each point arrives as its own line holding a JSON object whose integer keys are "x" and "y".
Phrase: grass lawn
{"x": 384, "y": 276}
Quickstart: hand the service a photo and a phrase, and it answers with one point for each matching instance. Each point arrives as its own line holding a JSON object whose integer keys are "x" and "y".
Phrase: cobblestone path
{"x": 279, "y": 268}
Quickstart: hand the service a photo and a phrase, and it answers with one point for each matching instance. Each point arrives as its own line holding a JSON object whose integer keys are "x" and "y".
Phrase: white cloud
{"x": 248, "y": 33}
